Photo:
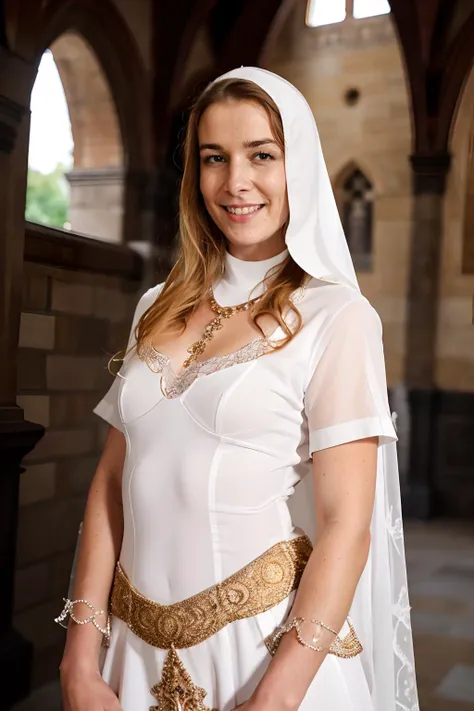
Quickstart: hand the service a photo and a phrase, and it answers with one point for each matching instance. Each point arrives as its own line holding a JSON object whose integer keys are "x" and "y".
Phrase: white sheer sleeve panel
{"x": 346, "y": 398}
{"x": 107, "y": 408}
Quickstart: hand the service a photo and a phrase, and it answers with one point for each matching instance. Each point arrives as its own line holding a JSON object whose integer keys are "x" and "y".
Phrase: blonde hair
{"x": 202, "y": 246}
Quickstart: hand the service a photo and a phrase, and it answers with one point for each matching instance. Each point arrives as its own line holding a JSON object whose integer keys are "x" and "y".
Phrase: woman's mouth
{"x": 242, "y": 214}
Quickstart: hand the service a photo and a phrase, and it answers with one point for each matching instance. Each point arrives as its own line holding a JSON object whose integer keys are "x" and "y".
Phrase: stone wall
{"x": 71, "y": 322}
{"x": 138, "y": 15}
{"x": 374, "y": 133}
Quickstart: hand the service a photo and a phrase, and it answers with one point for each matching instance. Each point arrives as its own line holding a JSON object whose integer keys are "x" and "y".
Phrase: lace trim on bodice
{"x": 174, "y": 385}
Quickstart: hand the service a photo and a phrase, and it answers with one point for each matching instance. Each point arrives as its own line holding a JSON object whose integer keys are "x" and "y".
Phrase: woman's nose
{"x": 238, "y": 177}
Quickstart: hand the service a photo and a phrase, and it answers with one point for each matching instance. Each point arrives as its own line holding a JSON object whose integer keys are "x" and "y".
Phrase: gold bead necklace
{"x": 222, "y": 313}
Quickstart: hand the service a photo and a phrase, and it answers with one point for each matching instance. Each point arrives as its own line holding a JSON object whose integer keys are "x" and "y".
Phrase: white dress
{"x": 209, "y": 476}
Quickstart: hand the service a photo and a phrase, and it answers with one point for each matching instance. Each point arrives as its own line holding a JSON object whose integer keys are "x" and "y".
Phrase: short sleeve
{"x": 346, "y": 398}
{"x": 107, "y": 408}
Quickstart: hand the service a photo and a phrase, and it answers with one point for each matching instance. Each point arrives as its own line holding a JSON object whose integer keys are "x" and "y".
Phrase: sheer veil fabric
{"x": 316, "y": 241}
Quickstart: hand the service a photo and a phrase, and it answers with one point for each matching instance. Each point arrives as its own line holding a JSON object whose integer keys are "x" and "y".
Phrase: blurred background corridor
{"x": 93, "y": 101}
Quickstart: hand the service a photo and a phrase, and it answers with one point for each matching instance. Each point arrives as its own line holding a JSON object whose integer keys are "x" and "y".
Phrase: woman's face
{"x": 242, "y": 178}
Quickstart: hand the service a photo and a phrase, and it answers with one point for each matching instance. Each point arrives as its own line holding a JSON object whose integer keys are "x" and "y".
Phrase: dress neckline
{"x": 237, "y": 286}
{"x": 242, "y": 280}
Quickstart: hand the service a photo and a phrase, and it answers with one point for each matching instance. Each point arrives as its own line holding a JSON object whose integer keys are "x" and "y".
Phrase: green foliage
{"x": 47, "y": 200}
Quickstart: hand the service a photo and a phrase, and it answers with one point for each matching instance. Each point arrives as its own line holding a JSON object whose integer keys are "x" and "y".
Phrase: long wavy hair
{"x": 202, "y": 247}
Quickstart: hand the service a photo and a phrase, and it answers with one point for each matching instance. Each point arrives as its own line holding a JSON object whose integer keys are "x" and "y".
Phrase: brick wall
{"x": 71, "y": 322}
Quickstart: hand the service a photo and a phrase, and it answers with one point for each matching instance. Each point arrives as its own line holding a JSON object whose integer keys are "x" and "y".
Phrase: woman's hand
{"x": 87, "y": 691}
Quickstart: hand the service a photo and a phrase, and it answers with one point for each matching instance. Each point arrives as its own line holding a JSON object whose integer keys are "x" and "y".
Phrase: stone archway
{"x": 99, "y": 34}
{"x": 97, "y": 178}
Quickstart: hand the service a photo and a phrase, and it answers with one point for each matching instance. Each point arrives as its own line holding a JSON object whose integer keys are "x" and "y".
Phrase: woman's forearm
{"x": 98, "y": 552}
{"x": 325, "y": 593}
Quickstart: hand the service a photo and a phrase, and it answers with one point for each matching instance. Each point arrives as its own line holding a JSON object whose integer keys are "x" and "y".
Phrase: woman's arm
{"x": 99, "y": 550}
{"x": 345, "y": 478}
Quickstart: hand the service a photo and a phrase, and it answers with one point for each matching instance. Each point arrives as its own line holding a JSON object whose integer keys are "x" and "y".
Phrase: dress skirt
{"x": 228, "y": 666}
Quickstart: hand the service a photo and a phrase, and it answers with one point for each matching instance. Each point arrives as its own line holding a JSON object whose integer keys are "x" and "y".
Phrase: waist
{"x": 255, "y": 588}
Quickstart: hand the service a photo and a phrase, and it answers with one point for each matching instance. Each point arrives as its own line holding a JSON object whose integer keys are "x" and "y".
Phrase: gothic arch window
{"x": 92, "y": 177}
{"x": 325, "y": 12}
{"x": 355, "y": 197}
{"x": 320, "y": 12}
{"x": 370, "y": 8}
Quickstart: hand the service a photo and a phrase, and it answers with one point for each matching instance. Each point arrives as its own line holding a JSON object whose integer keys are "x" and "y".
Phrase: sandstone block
{"x": 36, "y": 408}
{"x": 60, "y": 567}
{"x": 31, "y": 369}
{"x": 75, "y": 475}
{"x": 72, "y": 409}
{"x": 61, "y": 443}
{"x": 72, "y": 298}
{"x": 37, "y": 483}
{"x": 73, "y": 372}
{"x": 32, "y": 585}
{"x": 35, "y": 292}
{"x": 46, "y": 529}
{"x": 37, "y": 331}
{"x": 37, "y": 624}
{"x": 111, "y": 304}
{"x": 46, "y": 665}
{"x": 81, "y": 334}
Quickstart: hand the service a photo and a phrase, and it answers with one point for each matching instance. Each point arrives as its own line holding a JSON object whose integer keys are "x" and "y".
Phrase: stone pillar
{"x": 17, "y": 437}
{"x": 97, "y": 202}
{"x": 160, "y": 203}
{"x": 429, "y": 183}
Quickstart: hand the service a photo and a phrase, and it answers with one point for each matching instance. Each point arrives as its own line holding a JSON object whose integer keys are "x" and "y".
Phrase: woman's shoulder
{"x": 330, "y": 305}
{"x": 148, "y": 299}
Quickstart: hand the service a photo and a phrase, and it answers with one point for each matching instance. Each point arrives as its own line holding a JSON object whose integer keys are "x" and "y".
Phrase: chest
{"x": 209, "y": 334}
{"x": 248, "y": 392}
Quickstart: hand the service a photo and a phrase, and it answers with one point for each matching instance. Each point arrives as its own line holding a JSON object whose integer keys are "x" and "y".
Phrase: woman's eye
{"x": 264, "y": 156}
{"x": 213, "y": 159}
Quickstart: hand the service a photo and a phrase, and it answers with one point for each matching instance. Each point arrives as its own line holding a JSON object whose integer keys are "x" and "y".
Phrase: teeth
{"x": 243, "y": 210}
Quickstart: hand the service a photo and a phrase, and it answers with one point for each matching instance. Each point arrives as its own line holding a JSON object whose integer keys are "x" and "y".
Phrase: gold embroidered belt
{"x": 257, "y": 587}
{"x": 254, "y": 589}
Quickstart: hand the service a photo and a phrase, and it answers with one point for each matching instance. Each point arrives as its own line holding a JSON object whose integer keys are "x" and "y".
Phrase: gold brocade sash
{"x": 257, "y": 587}
{"x": 254, "y": 589}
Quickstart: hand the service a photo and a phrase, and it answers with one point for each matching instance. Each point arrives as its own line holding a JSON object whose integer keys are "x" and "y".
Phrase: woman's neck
{"x": 242, "y": 276}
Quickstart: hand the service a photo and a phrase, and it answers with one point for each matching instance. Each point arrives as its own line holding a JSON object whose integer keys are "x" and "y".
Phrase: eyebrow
{"x": 246, "y": 144}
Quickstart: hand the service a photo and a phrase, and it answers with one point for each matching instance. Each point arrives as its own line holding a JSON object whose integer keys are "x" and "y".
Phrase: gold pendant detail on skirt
{"x": 176, "y": 690}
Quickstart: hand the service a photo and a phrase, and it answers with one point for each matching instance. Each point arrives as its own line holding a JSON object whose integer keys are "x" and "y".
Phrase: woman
{"x": 255, "y": 371}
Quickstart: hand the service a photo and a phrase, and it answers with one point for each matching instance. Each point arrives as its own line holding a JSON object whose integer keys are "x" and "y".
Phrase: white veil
{"x": 316, "y": 241}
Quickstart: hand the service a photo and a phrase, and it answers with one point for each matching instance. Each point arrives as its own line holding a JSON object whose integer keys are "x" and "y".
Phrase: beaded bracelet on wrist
{"x": 69, "y": 610}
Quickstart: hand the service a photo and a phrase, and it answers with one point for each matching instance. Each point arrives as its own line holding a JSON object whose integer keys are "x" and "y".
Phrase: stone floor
{"x": 440, "y": 560}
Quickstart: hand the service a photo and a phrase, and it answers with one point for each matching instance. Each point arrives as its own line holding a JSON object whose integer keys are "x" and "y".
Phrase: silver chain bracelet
{"x": 69, "y": 610}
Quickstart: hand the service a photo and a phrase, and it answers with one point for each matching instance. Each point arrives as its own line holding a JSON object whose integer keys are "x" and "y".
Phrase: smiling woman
{"x": 257, "y": 368}
{"x": 242, "y": 184}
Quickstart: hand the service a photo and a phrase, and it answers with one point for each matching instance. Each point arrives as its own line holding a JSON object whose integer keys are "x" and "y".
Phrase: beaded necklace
{"x": 222, "y": 313}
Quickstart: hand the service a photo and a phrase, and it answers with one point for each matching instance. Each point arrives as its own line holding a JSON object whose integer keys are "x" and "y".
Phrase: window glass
{"x": 370, "y": 8}
{"x": 324, "y": 12}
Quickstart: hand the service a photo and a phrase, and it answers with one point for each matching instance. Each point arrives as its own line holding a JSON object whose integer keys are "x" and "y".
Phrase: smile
{"x": 243, "y": 210}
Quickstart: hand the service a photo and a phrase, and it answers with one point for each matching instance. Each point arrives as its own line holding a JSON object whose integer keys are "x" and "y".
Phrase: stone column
{"x": 160, "y": 208}
{"x": 17, "y": 437}
{"x": 97, "y": 202}
{"x": 429, "y": 183}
